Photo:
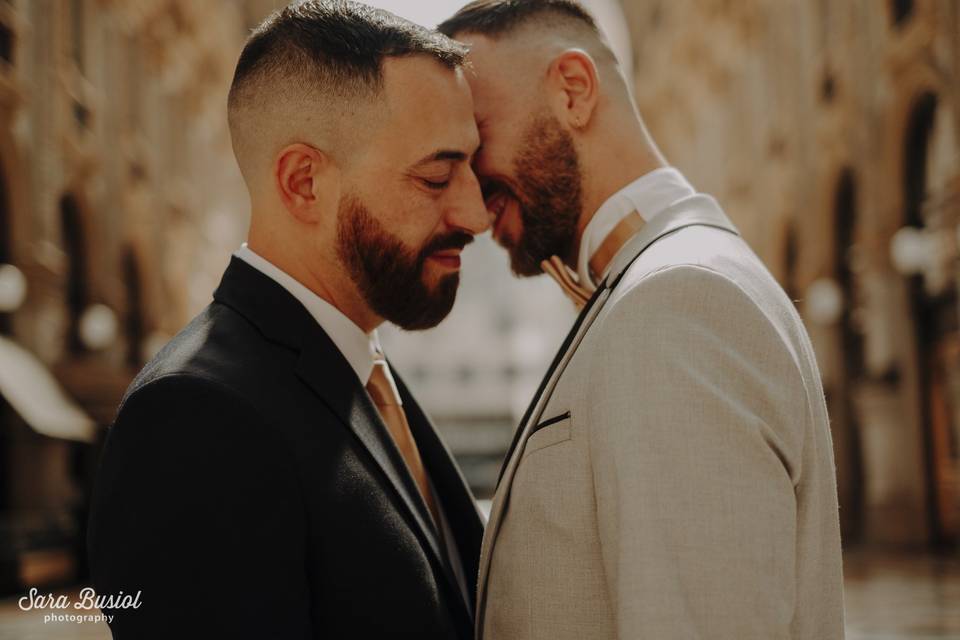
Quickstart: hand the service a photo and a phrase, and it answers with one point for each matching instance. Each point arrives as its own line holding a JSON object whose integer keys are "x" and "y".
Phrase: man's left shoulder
{"x": 678, "y": 305}
{"x": 678, "y": 292}
{"x": 698, "y": 245}
{"x": 701, "y": 269}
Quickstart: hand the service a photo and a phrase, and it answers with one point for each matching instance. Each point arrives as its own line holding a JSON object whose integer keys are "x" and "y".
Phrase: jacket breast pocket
{"x": 548, "y": 433}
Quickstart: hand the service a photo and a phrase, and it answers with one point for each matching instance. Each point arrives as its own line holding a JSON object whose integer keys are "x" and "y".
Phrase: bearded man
{"x": 268, "y": 475}
{"x": 674, "y": 475}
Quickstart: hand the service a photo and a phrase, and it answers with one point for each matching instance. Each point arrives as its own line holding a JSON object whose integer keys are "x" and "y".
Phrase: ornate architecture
{"x": 118, "y": 205}
{"x": 830, "y": 131}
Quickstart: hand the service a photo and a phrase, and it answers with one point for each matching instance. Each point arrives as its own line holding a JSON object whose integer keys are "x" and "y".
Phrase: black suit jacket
{"x": 249, "y": 489}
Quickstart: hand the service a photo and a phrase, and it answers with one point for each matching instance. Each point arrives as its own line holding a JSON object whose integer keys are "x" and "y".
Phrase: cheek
{"x": 513, "y": 221}
{"x": 495, "y": 162}
{"x": 498, "y": 145}
{"x": 509, "y": 227}
{"x": 413, "y": 220}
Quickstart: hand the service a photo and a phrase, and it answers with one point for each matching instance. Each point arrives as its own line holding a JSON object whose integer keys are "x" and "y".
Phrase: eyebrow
{"x": 444, "y": 154}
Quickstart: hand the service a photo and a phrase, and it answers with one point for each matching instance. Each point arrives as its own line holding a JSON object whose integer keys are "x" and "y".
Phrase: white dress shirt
{"x": 355, "y": 345}
{"x": 648, "y": 195}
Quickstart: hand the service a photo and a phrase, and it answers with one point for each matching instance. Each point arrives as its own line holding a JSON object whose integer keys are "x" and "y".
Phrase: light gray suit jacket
{"x": 674, "y": 478}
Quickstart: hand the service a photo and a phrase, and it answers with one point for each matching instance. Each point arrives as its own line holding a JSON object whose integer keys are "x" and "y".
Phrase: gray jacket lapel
{"x": 699, "y": 209}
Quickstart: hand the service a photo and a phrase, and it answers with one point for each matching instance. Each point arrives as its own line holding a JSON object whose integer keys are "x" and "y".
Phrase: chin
{"x": 432, "y": 313}
{"x": 508, "y": 240}
{"x": 522, "y": 264}
{"x": 434, "y": 282}
{"x": 522, "y": 269}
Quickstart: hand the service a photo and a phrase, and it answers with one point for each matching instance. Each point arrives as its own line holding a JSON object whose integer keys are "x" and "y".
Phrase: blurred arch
{"x": 134, "y": 320}
{"x": 6, "y": 241}
{"x": 936, "y": 326}
{"x": 76, "y": 285}
{"x": 846, "y": 423}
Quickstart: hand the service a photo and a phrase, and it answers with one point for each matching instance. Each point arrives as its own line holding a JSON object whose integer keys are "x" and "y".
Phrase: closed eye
{"x": 436, "y": 185}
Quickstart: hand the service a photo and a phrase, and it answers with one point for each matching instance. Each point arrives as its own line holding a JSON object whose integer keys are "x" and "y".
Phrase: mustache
{"x": 453, "y": 240}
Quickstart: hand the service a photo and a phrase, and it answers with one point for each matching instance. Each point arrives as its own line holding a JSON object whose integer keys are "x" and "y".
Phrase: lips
{"x": 449, "y": 258}
{"x": 445, "y": 250}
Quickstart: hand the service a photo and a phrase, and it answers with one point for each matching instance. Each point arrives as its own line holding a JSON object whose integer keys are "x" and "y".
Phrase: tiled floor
{"x": 888, "y": 597}
{"x": 895, "y": 597}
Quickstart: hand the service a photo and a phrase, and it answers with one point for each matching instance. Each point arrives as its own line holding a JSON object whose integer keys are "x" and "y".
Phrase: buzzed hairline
{"x": 516, "y": 22}
{"x": 314, "y": 67}
{"x": 496, "y": 19}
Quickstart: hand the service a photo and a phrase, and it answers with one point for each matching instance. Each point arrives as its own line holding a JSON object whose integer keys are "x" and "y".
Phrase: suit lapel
{"x": 564, "y": 347}
{"x": 697, "y": 210}
{"x": 586, "y": 318}
{"x": 324, "y": 369}
{"x": 455, "y": 497}
{"x": 667, "y": 222}
{"x": 321, "y": 366}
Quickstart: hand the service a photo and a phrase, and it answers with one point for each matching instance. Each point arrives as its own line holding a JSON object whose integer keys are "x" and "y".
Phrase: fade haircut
{"x": 314, "y": 63}
{"x": 496, "y": 18}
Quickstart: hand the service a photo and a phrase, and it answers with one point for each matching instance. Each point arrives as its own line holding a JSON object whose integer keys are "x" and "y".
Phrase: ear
{"x": 574, "y": 75}
{"x": 307, "y": 181}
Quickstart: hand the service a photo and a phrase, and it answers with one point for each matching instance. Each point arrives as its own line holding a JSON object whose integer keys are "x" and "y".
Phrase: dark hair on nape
{"x": 495, "y": 18}
{"x": 338, "y": 44}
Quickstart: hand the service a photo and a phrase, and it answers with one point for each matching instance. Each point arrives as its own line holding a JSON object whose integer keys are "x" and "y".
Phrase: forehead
{"x": 500, "y": 74}
{"x": 429, "y": 107}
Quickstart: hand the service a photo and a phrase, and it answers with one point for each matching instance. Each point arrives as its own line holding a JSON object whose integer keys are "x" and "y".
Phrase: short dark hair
{"x": 495, "y": 18}
{"x": 339, "y": 44}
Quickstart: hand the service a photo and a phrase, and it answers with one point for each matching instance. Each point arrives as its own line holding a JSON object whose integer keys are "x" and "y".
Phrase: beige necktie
{"x": 383, "y": 391}
{"x": 599, "y": 261}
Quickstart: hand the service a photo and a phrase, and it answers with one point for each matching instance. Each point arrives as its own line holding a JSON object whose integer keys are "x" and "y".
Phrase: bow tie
{"x": 599, "y": 261}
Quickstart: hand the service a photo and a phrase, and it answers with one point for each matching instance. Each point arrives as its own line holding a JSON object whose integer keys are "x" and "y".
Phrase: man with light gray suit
{"x": 674, "y": 474}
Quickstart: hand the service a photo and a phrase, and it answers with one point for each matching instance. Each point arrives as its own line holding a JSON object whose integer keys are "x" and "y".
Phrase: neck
{"x": 618, "y": 161}
{"x": 335, "y": 287}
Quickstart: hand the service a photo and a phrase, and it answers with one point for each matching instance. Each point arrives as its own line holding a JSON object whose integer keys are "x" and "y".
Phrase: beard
{"x": 389, "y": 275}
{"x": 550, "y": 181}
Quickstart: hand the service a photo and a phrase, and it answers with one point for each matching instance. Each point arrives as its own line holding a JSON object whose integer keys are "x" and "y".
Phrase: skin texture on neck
{"x": 615, "y": 150}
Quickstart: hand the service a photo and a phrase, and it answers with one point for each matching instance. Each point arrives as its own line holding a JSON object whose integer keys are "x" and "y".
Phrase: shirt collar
{"x": 648, "y": 195}
{"x": 357, "y": 347}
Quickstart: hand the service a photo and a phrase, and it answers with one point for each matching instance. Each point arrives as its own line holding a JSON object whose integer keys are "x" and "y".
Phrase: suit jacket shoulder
{"x": 221, "y": 347}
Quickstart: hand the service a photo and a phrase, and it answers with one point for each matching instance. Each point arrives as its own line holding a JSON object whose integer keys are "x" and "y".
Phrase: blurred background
{"x": 828, "y": 129}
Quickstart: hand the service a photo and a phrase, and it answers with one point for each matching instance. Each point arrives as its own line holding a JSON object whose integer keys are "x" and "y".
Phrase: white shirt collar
{"x": 648, "y": 195}
{"x": 355, "y": 345}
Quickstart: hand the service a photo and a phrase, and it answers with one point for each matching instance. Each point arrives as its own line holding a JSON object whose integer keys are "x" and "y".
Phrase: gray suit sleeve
{"x": 696, "y": 421}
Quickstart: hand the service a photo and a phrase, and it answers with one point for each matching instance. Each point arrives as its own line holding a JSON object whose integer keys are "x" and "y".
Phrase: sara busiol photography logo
{"x": 87, "y": 600}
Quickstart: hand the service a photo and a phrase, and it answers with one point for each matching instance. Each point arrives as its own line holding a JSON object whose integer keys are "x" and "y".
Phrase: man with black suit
{"x": 268, "y": 475}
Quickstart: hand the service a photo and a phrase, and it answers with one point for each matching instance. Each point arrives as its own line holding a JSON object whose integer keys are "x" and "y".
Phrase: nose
{"x": 467, "y": 210}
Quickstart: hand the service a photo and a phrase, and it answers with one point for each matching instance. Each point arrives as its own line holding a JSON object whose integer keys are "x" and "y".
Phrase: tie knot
{"x": 381, "y": 387}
